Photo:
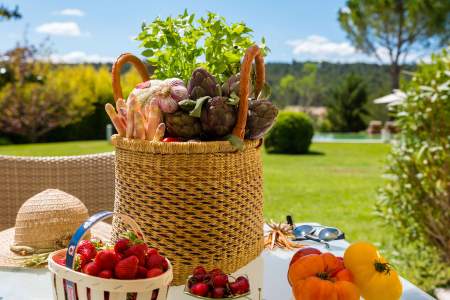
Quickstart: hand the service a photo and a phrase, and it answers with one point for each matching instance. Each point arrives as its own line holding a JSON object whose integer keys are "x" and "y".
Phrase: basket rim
{"x": 117, "y": 285}
{"x": 200, "y": 147}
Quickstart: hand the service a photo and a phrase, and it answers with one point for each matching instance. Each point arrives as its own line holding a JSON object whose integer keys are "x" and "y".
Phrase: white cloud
{"x": 319, "y": 48}
{"x": 76, "y": 57}
{"x": 71, "y": 12}
{"x": 60, "y": 28}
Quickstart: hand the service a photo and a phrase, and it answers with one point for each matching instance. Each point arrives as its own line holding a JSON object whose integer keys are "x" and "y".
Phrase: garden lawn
{"x": 336, "y": 185}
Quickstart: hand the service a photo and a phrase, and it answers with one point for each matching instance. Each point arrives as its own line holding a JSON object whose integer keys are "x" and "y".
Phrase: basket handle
{"x": 117, "y": 67}
{"x": 253, "y": 54}
{"x": 91, "y": 221}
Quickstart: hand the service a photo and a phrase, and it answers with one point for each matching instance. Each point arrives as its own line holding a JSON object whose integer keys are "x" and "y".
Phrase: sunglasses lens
{"x": 328, "y": 234}
{"x": 302, "y": 230}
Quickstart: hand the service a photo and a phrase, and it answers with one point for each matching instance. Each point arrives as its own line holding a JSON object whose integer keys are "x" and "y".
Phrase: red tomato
{"x": 303, "y": 252}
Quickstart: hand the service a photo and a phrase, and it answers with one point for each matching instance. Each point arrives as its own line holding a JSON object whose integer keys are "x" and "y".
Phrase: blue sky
{"x": 99, "y": 30}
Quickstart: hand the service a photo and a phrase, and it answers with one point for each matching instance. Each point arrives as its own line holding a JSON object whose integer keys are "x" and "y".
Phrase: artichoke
{"x": 232, "y": 85}
{"x": 202, "y": 84}
{"x": 180, "y": 124}
{"x": 218, "y": 117}
{"x": 260, "y": 118}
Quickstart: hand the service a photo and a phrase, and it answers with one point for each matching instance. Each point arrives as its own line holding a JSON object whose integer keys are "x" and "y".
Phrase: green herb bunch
{"x": 175, "y": 46}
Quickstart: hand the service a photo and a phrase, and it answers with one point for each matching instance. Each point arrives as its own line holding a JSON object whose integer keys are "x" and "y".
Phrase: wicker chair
{"x": 88, "y": 177}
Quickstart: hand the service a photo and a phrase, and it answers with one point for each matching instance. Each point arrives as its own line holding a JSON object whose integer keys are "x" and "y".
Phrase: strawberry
{"x": 127, "y": 268}
{"x": 121, "y": 245}
{"x": 60, "y": 260}
{"x": 154, "y": 272}
{"x": 87, "y": 251}
{"x": 151, "y": 251}
{"x": 106, "y": 259}
{"x": 105, "y": 274}
{"x": 154, "y": 261}
{"x": 141, "y": 272}
{"x": 91, "y": 269}
{"x": 165, "y": 265}
{"x": 138, "y": 250}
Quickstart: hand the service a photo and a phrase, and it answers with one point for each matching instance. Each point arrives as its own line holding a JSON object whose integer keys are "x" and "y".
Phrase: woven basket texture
{"x": 88, "y": 177}
{"x": 197, "y": 203}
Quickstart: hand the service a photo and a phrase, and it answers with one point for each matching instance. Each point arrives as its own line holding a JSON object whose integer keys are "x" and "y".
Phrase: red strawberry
{"x": 86, "y": 249}
{"x": 200, "y": 289}
{"x": 105, "y": 274}
{"x": 127, "y": 268}
{"x": 91, "y": 269}
{"x": 154, "y": 272}
{"x": 219, "y": 280}
{"x": 141, "y": 272}
{"x": 106, "y": 259}
{"x": 121, "y": 245}
{"x": 138, "y": 250}
{"x": 151, "y": 251}
{"x": 154, "y": 261}
{"x": 165, "y": 265}
{"x": 60, "y": 260}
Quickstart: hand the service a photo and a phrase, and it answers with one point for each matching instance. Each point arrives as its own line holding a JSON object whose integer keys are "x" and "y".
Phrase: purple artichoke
{"x": 202, "y": 84}
{"x": 260, "y": 118}
{"x": 180, "y": 124}
{"x": 218, "y": 117}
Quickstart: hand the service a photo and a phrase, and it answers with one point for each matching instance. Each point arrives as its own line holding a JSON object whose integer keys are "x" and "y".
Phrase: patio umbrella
{"x": 396, "y": 98}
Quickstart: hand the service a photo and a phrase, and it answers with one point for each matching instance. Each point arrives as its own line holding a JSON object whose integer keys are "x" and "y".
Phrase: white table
{"x": 268, "y": 271}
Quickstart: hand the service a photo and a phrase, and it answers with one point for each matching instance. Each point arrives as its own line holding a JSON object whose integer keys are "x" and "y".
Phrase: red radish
{"x": 218, "y": 292}
{"x": 155, "y": 272}
{"x": 127, "y": 268}
{"x": 244, "y": 284}
{"x": 219, "y": 280}
{"x": 235, "y": 288}
{"x": 91, "y": 269}
{"x": 107, "y": 274}
{"x": 199, "y": 270}
{"x": 106, "y": 259}
{"x": 121, "y": 245}
{"x": 200, "y": 289}
{"x": 216, "y": 271}
{"x": 303, "y": 252}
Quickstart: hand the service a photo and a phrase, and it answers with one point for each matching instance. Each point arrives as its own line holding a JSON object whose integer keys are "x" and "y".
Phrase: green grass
{"x": 336, "y": 186}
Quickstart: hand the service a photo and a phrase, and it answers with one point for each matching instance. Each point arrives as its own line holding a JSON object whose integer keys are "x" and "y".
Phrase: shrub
{"x": 347, "y": 109}
{"x": 416, "y": 198}
{"x": 292, "y": 133}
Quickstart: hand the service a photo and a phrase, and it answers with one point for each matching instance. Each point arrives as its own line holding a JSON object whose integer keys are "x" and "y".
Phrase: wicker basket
{"x": 201, "y": 203}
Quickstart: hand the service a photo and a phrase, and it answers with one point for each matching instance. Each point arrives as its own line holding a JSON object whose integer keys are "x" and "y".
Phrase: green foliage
{"x": 176, "y": 45}
{"x": 347, "y": 109}
{"x": 396, "y": 26}
{"x": 8, "y": 14}
{"x": 416, "y": 198}
{"x": 292, "y": 133}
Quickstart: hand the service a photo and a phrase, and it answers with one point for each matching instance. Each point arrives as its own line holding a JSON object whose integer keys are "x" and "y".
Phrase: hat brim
{"x": 9, "y": 259}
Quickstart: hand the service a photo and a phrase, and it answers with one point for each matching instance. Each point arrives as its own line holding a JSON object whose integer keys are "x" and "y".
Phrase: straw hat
{"x": 45, "y": 223}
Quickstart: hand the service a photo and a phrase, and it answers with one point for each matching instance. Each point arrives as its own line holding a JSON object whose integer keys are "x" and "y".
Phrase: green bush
{"x": 292, "y": 133}
{"x": 416, "y": 198}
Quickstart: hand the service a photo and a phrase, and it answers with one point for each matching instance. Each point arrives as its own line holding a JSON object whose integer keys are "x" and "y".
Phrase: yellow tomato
{"x": 374, "y": 276}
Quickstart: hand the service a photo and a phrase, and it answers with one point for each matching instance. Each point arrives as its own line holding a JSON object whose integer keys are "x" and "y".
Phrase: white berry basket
{"x": 72, "y": 285}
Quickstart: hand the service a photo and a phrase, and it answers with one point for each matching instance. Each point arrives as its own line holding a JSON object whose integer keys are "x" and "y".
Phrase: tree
{"x": 347, "y": 109}
{"x": 395, "y": 27}
{"x": 7, "y": 14}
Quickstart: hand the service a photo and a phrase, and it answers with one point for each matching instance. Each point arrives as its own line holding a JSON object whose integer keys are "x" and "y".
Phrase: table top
{"x": 268, "y": 272}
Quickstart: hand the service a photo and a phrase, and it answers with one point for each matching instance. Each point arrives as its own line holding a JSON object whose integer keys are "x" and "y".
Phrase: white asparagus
{"x": 115, "y": 119}
{"x": 159, "y": 134}
{"x": 131, "y": 108}
{"x": 122, "y": 110}
{"x": 154, "y": 118}
{"x": 139, "y": 127}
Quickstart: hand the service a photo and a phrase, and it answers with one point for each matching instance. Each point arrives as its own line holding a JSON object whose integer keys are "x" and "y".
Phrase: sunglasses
{"x": 320, "y": 234}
